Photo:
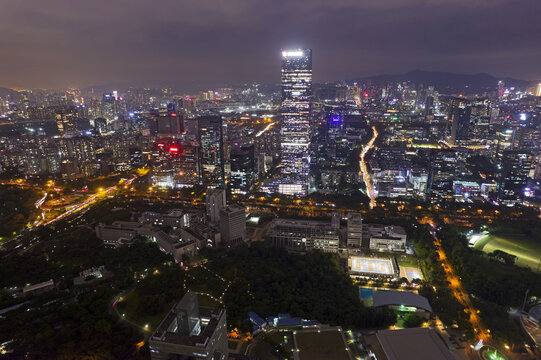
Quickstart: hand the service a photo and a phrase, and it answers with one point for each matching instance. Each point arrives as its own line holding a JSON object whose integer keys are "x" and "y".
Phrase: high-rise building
{"x": 515, "y": 169}
{"x": 429, "y": 106}
{"x": 191, "y": 332}
{"x": 108, "y": 106}
{"x": 233, "y": 225}
{"x": 296, "y": 119}
{"x": 212, "y": 150}
{"x": 65, "y": 122}
{"x": 243, "y": 169}
{"x": 442, "y": 170}
{"x": 504, "y": 140}
{"x": 354, "y": 230}
{"x": 459, "y": 116}
{"x": 215, "y": 203}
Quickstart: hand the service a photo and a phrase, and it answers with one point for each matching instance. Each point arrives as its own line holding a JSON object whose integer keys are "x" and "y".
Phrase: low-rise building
{"x": 175, "y": 218}
{"x": 122, "y": 232}
{"x": 408, "y": 344}
{"x": 304, "y": 235}
{"x": 191, "y": 332}
{"x": 386, "y": 237}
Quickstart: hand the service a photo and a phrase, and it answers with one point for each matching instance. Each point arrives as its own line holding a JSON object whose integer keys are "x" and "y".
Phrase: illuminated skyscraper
{"x": 296, "y": 120}
{"x": 515, "y": 168}
{"x": 212, "y": 149}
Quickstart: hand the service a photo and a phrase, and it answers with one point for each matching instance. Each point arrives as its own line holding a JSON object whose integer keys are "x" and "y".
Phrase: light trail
{"x": 87, "y": 202}
{"x": 41, "y": 201}
{"x": 364, "y": 169}
{"x": 265, "y": 129}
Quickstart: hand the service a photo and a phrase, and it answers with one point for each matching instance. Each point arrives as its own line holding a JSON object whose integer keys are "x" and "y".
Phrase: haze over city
{"x": 211, "y": 43}
{"x": 270, "y": 180}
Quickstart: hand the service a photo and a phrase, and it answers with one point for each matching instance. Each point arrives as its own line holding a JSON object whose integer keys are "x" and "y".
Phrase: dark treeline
{"x": 16, "y": 208}
{"x": 270, "y": 280}
{"x": 497, "y": 287}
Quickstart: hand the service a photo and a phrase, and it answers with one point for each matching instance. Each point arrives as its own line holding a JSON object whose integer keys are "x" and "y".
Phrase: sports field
{"x": 527, "y": 251}
{"x": 321, "y": 345}
{"x": 371, "y": 265}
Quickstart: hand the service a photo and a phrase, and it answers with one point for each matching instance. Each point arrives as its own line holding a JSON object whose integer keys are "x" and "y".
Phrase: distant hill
{"x": 447, "y": 82}
{"x": 5, "y": 92}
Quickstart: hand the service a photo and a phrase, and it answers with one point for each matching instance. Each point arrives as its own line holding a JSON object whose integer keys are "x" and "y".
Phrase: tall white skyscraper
{"x": 296, "y": 120}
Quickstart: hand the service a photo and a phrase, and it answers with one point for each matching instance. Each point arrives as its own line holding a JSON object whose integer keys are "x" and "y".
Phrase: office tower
{"x": 136, "y": 158}
{"x": 296, "y": 120}
{"x": 242, "y": 161}
{"x": 429, "y": 106}
{"x": 191, "y": 332}
{"x": 515, "y": 169}
{"x": 169, "y": 125}
{"x": 538, "y": 91}
{"x": 210, "y": 134}
{"x": 354, "y": 230}
{"x": 504, "y": 140}
{"x": 215, "y": 203}
{"x": 108, "y": 106}
{"x": 187, "y": 165}
{"x": 501, "y": 89}
{"x": 460, "y": 119}
{"x": 479, "y": 122}
{"x": 335, "y": 220}
{"x": 443, "y": 169}
{"x": 233, "y": 224}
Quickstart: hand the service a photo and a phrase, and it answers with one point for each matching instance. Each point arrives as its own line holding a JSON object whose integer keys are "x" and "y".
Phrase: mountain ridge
{"x": 446, "y": 80}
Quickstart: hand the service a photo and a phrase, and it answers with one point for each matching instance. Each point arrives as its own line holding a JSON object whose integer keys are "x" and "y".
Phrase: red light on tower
{"x": 365, "y": 94}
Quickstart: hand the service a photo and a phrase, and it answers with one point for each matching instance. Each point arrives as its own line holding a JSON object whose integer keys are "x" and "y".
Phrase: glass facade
{"x": 296, "y": 114}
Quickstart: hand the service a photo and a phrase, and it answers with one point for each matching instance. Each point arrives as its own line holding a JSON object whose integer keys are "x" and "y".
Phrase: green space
{"x": 261, "y": 281}
{"x": 406, "y": 260}
{"x": 496, "y": 286}
{"x": 323, "y": 345}
{"x": 526, "y": 249}
{"x": 16, "y": 208}
{"x": 272, "y": 345}
{"x": 270, "y": 280}
{"x": 76, "y": 322}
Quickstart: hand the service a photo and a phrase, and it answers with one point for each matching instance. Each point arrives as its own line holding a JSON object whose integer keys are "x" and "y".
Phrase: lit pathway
{"x": 364, "y": 169}
{"x": 481, "y": 331}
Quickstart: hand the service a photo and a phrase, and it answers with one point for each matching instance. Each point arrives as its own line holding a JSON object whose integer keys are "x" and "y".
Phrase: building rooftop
{"x": 233, "y": 208}
{"x": 406, "y": 298}
{"x": 412, "y": 344}
{"x": 209, "y": 321}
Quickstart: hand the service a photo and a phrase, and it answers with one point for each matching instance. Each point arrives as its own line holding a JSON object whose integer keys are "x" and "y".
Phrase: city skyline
{"x": 79, "y": 45}
{"x": 238, "y": 188}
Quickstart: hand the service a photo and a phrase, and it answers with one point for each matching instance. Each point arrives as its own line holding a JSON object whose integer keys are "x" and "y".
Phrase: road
{"x": 92, "y": 199}
{"x": 364, "y": 169}
{"x": 458, "y": 291}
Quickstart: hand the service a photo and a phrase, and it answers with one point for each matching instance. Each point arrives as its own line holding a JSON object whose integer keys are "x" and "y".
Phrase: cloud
{"x": 55, "y": 43}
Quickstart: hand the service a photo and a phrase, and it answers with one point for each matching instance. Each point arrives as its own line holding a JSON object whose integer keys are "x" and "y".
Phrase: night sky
{"x": 217, "y": 42}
